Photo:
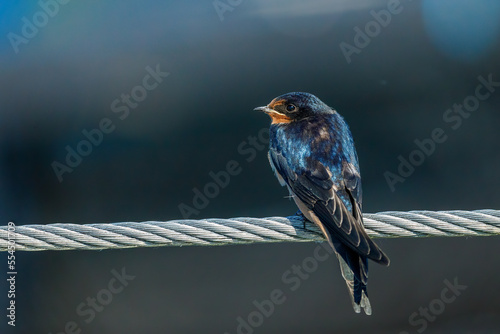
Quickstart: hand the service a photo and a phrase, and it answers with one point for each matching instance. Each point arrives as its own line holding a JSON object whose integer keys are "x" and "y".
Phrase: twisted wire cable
{"x": 246, "y": 230}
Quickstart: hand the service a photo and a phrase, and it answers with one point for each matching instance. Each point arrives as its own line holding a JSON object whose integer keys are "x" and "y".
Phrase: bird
{"x": 312, "y": 153}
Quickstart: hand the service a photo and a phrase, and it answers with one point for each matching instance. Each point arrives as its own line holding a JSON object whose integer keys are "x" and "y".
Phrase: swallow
{"x": 312, "y": 153}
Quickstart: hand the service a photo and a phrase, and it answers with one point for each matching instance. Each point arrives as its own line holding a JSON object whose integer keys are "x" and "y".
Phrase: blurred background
{"x": 392, "y": 69}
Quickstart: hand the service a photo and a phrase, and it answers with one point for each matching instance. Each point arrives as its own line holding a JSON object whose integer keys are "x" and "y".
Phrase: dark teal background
{"x": 393, "y": 92}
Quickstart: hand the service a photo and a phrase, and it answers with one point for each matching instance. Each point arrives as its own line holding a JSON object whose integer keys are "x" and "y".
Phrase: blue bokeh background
{"x": 394, "y": 91}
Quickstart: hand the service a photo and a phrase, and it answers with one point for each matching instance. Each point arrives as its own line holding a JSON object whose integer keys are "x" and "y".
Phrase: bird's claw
{"x": 304, "y": 219}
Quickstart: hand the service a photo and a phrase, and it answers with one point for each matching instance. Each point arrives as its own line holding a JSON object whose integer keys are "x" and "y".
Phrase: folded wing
{"x": 315, "y": 188}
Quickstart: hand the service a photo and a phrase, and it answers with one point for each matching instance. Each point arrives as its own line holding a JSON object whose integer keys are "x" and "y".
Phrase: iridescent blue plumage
{"x": 312, "y": 152}
{"x": 326, "y": 139}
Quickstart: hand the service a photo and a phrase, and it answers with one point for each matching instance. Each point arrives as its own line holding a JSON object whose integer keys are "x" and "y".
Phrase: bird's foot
{"x": 304, "y": 219}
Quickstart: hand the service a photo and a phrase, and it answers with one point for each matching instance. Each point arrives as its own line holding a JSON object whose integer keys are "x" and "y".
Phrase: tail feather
{"x": 355, "y": 272}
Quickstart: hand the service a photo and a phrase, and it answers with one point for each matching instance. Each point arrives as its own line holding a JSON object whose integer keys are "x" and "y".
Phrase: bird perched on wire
{"x": 312, "y": 152}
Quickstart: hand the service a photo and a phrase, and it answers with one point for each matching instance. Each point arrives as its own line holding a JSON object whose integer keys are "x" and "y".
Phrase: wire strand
{"x": 246, "y": 230}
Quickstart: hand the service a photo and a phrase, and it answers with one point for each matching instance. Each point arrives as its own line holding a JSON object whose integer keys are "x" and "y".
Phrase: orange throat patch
{"x": 279, "y": 118}
{"x": 276, "y": 117}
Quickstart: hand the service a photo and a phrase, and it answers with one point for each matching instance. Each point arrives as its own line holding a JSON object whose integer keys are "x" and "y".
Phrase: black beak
{"x": 263, "y": 108}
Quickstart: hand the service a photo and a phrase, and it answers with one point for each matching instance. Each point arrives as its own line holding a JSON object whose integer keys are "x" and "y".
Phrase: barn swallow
{"x": 312, "y": 152}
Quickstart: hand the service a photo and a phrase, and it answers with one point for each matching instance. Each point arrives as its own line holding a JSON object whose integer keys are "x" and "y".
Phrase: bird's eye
{"x": 291, "y": 107}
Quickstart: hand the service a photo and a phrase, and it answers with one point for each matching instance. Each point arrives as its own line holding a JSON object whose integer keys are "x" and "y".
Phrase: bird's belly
{"x": 278, "y": 175}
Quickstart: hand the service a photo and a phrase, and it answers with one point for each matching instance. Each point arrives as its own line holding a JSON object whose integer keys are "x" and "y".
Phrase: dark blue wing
{"x": 315, "y": 188}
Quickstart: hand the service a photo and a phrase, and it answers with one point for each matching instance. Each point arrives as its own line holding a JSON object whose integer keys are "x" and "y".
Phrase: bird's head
{"x": 294, "y": 106}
